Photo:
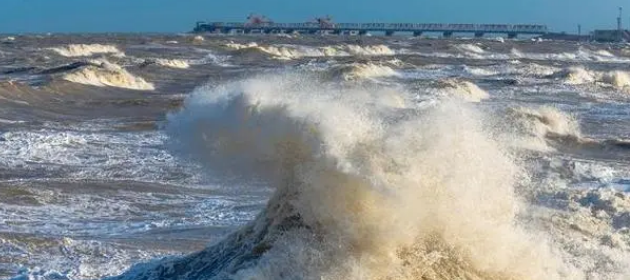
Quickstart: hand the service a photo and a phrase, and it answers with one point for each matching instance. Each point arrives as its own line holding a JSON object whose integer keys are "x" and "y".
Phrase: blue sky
{"x": 39, "y": 16}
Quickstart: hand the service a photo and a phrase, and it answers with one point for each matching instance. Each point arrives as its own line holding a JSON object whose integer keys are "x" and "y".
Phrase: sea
{"x": 184, "y": 156}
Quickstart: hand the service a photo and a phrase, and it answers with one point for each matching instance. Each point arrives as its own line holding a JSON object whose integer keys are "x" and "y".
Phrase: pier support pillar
{"x": 512, "y": 35}
{"x": 479, "y": 34}
{"x": 389, "y": 33}
{"x": 447, "y": 34}
{"x": 417, "y": 33}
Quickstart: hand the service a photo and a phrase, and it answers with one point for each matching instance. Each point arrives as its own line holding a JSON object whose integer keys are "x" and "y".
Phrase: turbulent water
{"x": 277, "y": 157}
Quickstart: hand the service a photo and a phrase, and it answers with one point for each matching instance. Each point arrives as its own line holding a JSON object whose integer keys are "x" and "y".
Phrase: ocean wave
{"x": 374, "y": 50}
{"x": 77, "y": 50}
{"x": 549, "y": 129}
{"x": 7, "y": 40}
{"x": 477, "y": 52}
{"x": 358, "y": 71}
{"x": 359, "y": 196}
{"x": 541, "y": 124}
{"x": 171, "y": 63}
{"x": 288, "y": 52}
{"x": 581, "y": 55}
{"x": 103, "y": 73}
{"x": 582, "y": 76}
{"x": 460, "y": 89}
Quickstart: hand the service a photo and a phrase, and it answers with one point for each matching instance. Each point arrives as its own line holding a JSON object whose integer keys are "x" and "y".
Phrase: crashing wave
{"x": 357, "y": 71}
{"x": 365, "y": 191}
{"x": 461, "y": 89}
{"x": 77, "y": 50}
{"x": 103, "y": 73}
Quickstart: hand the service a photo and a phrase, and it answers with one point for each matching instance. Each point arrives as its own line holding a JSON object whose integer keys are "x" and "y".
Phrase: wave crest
{"x": 288, "y": 52}
{"x": 358, "y": 195}
{"x": 77, "y": 50}
{"x": 103, "y": 73}
{"x": 358, "y": 71}
{"x": 171, "y": 63}
{"x": 461, "y": 89}
{"x": 581, "y": 76}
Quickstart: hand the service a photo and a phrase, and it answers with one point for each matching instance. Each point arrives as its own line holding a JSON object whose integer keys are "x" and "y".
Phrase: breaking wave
{"x": 582, "y": 54}
{"x": 375, "y": 50}
{"x": 478, "y": 52}
{"x": 288, "y": 52}
{"x": 77, "y": 50}
{"x": 172, "y": 63}
{"x": 364, "y": 190}
{"x": 358, "y": 71}
{"x": 618, "y": 79}
{"x": 548, "y": 129}
{"x": 580, "y": 76}
{"x": 548, "y": 120}
{"x": 538, "y": 125}
{"x": 103, "y": 73}
{"x": 461, "y": 89}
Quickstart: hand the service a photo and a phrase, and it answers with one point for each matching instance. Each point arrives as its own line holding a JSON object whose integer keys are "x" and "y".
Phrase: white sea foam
{"x": 470, "y": 48}
{"x": 460, "y": 89}
{"x": 581, "y": 76}
{"x": 537, "y": 125}
{"x": 172, "y": 63}
{"x": 471, "y": 51}
{"x": 374, "y": 50}
{"x": 581, "y": 55}
{"x": 8, "y": 39}
{"x": 103, "y": 73}
{"x": 77, "y": 50}
{"x": 288, "y": 52}
{"x": 357, "y": 71}
{"x": 359, "y": 196}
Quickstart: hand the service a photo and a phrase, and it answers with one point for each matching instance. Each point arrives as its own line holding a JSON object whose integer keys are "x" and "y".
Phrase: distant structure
{"x": 324, "y": 22}
{"x": 610, "y": 35}
{"x": 325, "y": 25}
{"x": 255, "y": 19}
{"x": 619, "y": 26}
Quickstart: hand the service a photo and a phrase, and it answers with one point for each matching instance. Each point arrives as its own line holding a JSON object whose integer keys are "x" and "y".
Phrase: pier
{"x": 389, "y": 29}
